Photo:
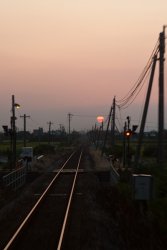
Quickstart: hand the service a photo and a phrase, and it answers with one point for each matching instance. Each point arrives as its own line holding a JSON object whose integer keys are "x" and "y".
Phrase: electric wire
{"x": 120, "y": 115}
{"x": 127, "y": 98}
{"x": 124, "y": 102}
{"x": 135, "y": 94}
{"x": 119, "y": 130}
{"x": 154, "y": 52}
{"x": 119, "y": 122}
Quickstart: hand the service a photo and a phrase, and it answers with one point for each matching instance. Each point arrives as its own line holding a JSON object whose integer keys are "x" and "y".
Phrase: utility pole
{"x": 13, "y": 131}
{"x": 161, "y": 97}
{"x": 95, "y": 134}
{"x": 143, "y": 121}
{"x": 24, "y": 117}
{"x": 102, "y": 126}
{"x": 60, "y": 125}
{"x": 124, "y": 145}
{"x": 69, "y": 123}
{"x": 49, "y": 132}
{"x": 106, "y": 133}
{"x": 128, "y": 141}
{"x": 113, "y": 126}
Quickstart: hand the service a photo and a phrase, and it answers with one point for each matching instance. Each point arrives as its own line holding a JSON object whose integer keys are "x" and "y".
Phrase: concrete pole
{"x": 161, "y": 98}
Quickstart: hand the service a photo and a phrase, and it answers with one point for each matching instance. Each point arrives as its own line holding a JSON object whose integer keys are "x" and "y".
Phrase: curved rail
{"x": 11, "y": 241}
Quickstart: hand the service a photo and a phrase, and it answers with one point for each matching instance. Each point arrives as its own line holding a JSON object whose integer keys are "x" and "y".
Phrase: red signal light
{"x": 128, "y": 133}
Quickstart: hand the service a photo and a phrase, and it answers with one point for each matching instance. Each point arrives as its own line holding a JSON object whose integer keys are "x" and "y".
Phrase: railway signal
{"x": 128, "y": 133}
{"x": 134, "y": 127}
{"x": 131, "y": 132}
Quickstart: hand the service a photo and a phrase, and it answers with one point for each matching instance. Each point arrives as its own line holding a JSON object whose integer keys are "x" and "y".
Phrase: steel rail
{"x": 15, "y": 235}
{"x": 68, "y": 206}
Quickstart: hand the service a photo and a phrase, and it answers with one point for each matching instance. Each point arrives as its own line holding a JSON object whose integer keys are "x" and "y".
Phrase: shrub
{"x": 150, "y": 151}
{"x": 44, "y": 149}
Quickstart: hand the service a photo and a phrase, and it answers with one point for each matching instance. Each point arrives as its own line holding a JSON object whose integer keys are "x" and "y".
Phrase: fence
{"x": 15, "y": 179}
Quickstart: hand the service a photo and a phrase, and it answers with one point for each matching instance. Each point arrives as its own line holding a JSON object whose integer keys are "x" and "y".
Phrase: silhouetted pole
{"x": 106, "y": 133}
{"x": 98, "y": 136}
{"x": 113, "y": 126}
{"x": 124, "y": 145}
{"x": 13, "y": 131}
{"x": 95, "y": 134}
{"x": 69, "y": 123}
{"x": 161, "y": 97}
{"x": 49, "y": 132}
{"x": 102, "y": 125}
{"x": 24, "y": 117}
{"x": 13, "y": 125}
{"x": 69, "y": 126}
{"x": 143, "y": 121}
{"x": 128, "y": 142}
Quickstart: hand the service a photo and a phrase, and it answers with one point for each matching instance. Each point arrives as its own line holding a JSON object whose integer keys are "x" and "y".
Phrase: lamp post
{"x": 13, "y": 130}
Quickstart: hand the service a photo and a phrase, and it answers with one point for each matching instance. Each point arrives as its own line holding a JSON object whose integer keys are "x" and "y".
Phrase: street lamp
{"x": 13, "y": 131}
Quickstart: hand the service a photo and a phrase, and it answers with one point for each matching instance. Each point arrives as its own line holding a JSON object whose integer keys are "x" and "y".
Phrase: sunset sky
{"x": 61, "y": 56}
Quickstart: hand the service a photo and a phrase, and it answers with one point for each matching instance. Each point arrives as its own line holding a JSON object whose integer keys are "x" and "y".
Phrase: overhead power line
{"x": 136, "y": 88}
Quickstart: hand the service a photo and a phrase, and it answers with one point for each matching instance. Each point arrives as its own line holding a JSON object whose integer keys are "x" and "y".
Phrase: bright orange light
{"x": 128, "y": 133}
{"x": 100, "y": 119}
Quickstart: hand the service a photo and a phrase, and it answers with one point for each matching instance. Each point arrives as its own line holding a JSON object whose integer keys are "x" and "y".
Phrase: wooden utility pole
{"x": 161, "y": 97}
{"x": 24, "y": 117}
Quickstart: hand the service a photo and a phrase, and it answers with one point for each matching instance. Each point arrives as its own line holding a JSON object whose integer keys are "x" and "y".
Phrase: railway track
{"x": 45, "y": 225}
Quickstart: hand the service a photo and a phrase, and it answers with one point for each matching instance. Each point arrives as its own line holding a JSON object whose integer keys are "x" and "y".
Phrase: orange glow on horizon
{"x": 61, "y": 56}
